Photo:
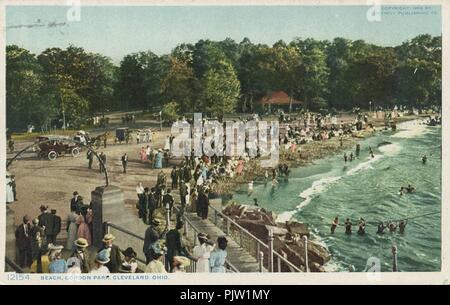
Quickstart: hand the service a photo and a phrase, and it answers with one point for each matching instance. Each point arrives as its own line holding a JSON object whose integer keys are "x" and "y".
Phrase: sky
{"x": 118, "y": 31}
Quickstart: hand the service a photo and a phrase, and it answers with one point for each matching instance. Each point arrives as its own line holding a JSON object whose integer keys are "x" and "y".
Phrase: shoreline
{"x": 306, "y": 154}
{"x": 309, "y": 153}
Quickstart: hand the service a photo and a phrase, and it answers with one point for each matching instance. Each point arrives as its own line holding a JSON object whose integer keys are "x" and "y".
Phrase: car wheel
{"x": 52, "y": 155}
{"x": 75, "y": 152}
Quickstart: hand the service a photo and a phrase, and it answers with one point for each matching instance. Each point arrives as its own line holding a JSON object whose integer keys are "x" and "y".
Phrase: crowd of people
{"x": 392, "y": 226}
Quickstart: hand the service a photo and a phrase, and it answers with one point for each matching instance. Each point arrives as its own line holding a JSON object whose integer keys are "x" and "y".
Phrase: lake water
{"x": 368, "y": 188}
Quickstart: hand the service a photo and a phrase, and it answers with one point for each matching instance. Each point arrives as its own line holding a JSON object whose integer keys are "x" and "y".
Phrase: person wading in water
{"x": 362, "y": 226}
{"x": 424, "y": 159}
{"x": 381, "y": 228}
{"x": 348, "y": 226}
{"x": 334, "y": 224}
{"x": 402, "y": 226}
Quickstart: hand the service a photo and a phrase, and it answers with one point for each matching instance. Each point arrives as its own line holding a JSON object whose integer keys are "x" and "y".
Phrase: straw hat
{"x": 202, "y": 236}
{"x": 156, "y": 222}
{"x": 55, "y": 248}
{"x": 181, "y": 261}
{"x": 81, "y": 242}
{"x": 102, "y": 257}
{"x": 108, "y": 237}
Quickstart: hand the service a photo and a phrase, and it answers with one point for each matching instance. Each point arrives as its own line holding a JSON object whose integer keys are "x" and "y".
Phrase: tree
{"x": 314, "y": 73}
{"x": 78, "y": 82}
{"x": 178, "y": 85}
{"x": 25, "y": 101}
{"x": 221, "y": 89}
{"x": 130, "y": 86}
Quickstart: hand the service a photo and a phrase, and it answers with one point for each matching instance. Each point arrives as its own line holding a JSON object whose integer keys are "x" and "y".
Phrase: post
{"x": 261, "y": 261}
{"x": 106, "y": 228}
{"x": 167, "y": 217}
{"x": 186, "y": 229}
{"x": 394, "y": 258}
{"x": 215, "y": 217}
{"x": 270, "y": 250}
{"x": 279, "y": 263}
{"x": 258, "y": 250}
{"x": 305, "y": 239}
{"x": 160, "y": 121}
{"x": 64, "y": 119}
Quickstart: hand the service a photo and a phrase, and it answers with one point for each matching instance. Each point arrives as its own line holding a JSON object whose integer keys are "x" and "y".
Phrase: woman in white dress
{"x": 202, "y": 253}
{"x": 72, "y": 229}
{"x": 9, "y": 189}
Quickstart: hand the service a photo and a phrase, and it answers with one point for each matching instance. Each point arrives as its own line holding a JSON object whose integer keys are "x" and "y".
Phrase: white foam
{"x": 317, "y": 187}
{"x": 410, "y": 129}
{"x": 390, "y": 149}
{"x": 286, "y": 216}
{"x": 364, "y": 165}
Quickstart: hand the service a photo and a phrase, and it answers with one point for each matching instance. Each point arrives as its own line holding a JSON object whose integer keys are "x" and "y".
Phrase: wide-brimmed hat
{"x": 129, "y": 252}
{"x": 103, "y": 257}
{"x": 181, "y": 261}
{"x": 53, "y": 247}
{"x": 108, "y": 237}
{"x": 81, "y": 242}
{"x": 203, "y": 236}
{"x": 156, "y": 222}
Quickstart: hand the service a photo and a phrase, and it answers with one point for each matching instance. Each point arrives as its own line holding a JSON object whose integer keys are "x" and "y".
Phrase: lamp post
{"x": 305, "y": 239}
{"x": 270, "y": 256}
{"x": 64, "y": 119}
{"x": 167, "y": 216}
{"x": 160, "y": 120}
{"x": 394, "y": 259}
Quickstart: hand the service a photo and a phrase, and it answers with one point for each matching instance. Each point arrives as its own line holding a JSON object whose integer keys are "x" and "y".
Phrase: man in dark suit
{"x": 23, "y": 243}
{"x": 151, "y": 236}
{"x": 183, "y": 193}
{"x": 151, "y": 204}
{"x": 81, "y": 253}
{"x": 55, "y": 228}
{"x": 175, "y": 245}
{"x": 168, "y": 201}
{"x": 90, "y": 157}
{"x": 115, "y": 260}
{"x": 73, "y": 202}
{"x": 102, "y": 166}
{"x": 143, "y": 205}
{"x": 46, "y": 221}
{"x": 124, "y": 163}
{"x": 174, "y": 176}
{"x": 203, "y": 204}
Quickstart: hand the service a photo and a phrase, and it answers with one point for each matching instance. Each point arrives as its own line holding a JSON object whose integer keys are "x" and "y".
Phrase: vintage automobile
{"x": 52, "y": 147}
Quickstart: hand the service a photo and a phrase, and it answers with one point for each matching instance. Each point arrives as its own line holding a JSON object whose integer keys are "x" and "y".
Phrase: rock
{"x": 294, "y": 228}
{"x": 287, "y": 237}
